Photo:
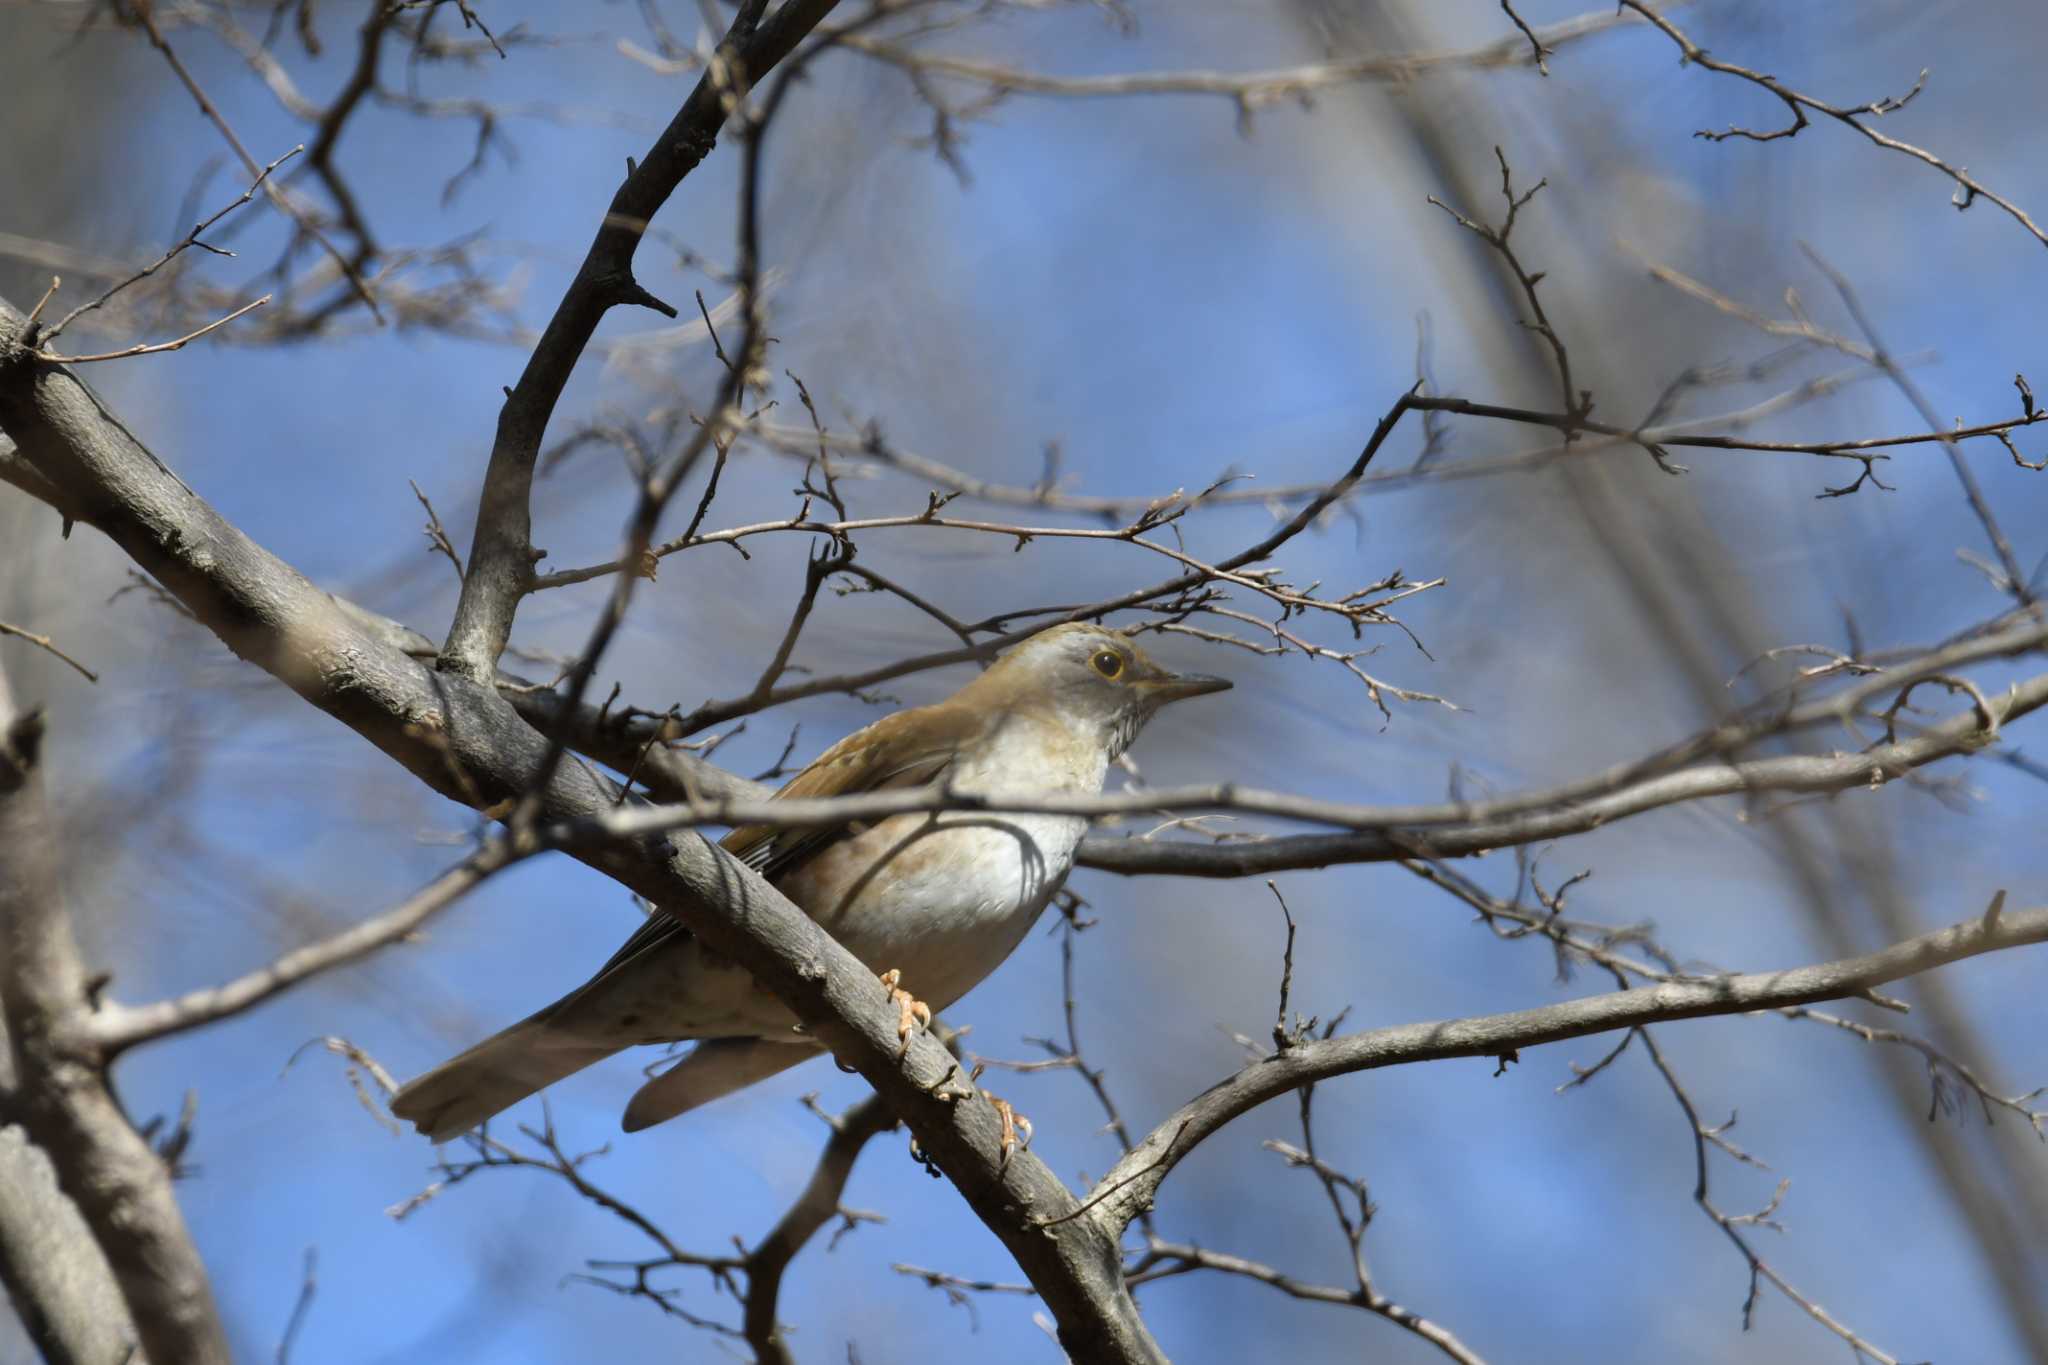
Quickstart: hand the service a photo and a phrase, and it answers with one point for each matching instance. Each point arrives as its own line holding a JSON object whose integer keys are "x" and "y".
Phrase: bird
{"x": 932, "y": 903}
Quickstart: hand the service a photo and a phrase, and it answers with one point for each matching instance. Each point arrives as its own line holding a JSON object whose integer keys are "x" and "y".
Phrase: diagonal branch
{"x": 350, "y": 268}
{"x": 1760, "y": 1270}
{"x": 119, "y": 1027}
{"x": 501, "y": 558}
{"x": 1968, "y": 188}
{"x": 1973, "y": 492}
{"x": 815, "y": 1207}
{"x": 465, "y": 741}
{"x": 45, "y": 643}
{"x": 1133, "y": 1183}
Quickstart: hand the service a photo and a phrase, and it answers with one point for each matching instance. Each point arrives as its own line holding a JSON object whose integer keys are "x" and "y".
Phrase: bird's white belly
{"x": 942, "y": 901}
{"x": 949, "y": 903}
{"x": 944, "y": 904}
{"x": 945, "y": 901}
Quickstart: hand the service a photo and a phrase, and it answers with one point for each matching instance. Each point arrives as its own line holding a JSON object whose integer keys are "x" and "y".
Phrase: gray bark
{"x": 59, "y": 1282}
{"x": 466, "y": 742}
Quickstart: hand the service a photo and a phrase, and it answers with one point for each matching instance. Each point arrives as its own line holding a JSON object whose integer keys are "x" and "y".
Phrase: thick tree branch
{"x": 16, "y": 470}
{"x": 60, "y": 1096}
{"x": 645, "y": 744}
{"x": 56, "y": 1276}
{"x": 1379, "y": 834}
{"x": 630, "y": 740}
{"x": 467, "y": 743}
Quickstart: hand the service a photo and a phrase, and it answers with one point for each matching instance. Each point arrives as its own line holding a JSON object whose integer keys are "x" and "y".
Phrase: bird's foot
{"x": 1013, "y": 1124}
{"x": 912, "y": 1013}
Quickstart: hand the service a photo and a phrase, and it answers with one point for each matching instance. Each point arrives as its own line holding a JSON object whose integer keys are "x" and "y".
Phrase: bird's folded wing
{"x": 908, "y": 749}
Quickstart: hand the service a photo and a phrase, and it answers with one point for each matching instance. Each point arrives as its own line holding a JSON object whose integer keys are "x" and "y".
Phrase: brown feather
{"x": 908, "y": 749}
{"x": 911, "y": 748}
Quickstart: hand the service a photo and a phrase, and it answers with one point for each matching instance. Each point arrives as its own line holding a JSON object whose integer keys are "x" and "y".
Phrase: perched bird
{"x": 934, "y": 903}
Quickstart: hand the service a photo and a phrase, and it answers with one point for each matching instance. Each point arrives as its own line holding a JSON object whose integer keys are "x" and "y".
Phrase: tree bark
{"x": 465, "y": 741}
{"x": 59, "y": 1281}
{"x": 60, "y": 1098}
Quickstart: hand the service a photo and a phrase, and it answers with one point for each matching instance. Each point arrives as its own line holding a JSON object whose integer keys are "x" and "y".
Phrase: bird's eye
{"x": 1109, "y": 664}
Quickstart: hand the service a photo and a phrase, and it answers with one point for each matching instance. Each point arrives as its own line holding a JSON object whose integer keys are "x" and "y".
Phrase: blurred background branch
{"x": 997, "y": 262}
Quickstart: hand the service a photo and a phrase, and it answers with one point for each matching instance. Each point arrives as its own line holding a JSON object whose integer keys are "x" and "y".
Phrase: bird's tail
{"x": 493, "y": 1076}
{"x": 714, "y": 1068}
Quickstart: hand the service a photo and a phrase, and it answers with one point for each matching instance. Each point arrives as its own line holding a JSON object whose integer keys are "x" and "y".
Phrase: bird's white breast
{"x": 945, "y": 899}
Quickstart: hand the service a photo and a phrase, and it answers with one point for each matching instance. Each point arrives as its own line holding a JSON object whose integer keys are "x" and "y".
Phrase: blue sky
{"x": 1169, "y": 299}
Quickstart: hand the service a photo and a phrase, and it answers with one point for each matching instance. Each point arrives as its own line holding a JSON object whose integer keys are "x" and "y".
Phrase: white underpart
{"x": 944, "y": 900}
{"x": 953, "y": 897}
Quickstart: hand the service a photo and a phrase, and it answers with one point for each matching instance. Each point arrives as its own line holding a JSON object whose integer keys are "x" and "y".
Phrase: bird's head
{"x": 1095, "y": 678}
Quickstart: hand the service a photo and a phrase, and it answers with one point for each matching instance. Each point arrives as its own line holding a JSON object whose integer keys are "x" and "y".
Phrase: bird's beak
{"x": 1180, "y": 686}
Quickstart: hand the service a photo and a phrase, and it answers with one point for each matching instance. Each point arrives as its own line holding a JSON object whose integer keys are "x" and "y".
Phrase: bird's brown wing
{"x": 907, "y": 749}
{"x": 904, "y": 750}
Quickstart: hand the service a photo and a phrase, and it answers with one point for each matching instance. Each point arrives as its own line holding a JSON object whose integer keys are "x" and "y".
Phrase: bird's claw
{"x": 912, "y": 1013}
{"x": 1013, "y": 1123}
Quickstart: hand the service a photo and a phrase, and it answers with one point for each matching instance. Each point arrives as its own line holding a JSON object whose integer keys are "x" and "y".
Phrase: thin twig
{"x": 436, "y": 533}
{"x": 1731, "y": 1224}
{"x": 44, "y": 642}
{"x": 309, "y": 1284}
{"x": 156, "y": 347}
{"x": 191, "y": 239}
{"x": 144, "y": 14}
{"x": 1968, "y": 188}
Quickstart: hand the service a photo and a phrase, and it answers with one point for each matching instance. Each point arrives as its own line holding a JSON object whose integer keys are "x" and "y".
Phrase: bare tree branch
{"x": 815, "y": 1207}
{"x": 499, "y": 744}
{"x": 1760, "y": 1270}
{"x": 501, "y": 559}
{"x": 1134, "y": 1182}
{"x": 1249, "y": 90}
{"x": 56, "y": 1276}
{"x": 154, "y": 347}
{"x": 60, "y": 1097}
{"x": 350, "y": 268}
{"x": 1386, "y": 833}
{"x": 44, "y": 643}
{"x": 465, "y": 742}
{"x": 1968, "y": 188}
{"x": 190, "y": 240}
{"x": 871, "y": 451}
{"x": 1973, "y": 492}
{"x": 752, "y": 1276}
{"x": 119, "y": 1027}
